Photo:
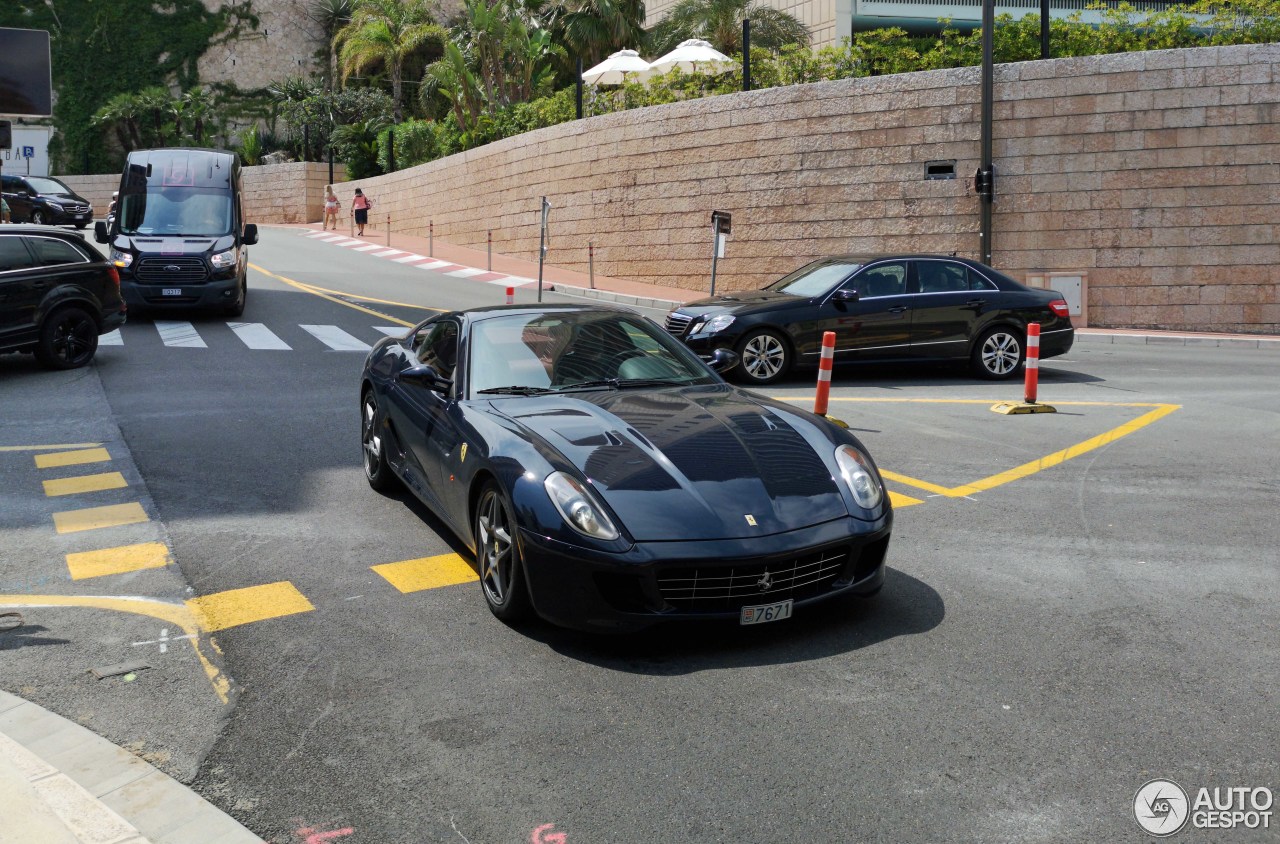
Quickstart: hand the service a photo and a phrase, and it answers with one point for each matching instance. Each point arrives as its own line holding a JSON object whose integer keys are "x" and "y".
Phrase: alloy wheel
{"x": 73, "y": 340}
{"x": 1001, "y": 353}
{"x": 495, "y": 551}
{"x": 763, "y": 357}
{"x": 369, "y": 438}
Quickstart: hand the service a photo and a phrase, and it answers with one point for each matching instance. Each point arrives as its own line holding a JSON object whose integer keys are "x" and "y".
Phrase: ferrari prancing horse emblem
{"x": 751, "y": 520}
{"x": 462, "y": 458}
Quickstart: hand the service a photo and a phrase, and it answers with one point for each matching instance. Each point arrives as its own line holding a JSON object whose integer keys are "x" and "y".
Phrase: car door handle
{"x": 899, "y": 309}
{"x": 973, "y": 303}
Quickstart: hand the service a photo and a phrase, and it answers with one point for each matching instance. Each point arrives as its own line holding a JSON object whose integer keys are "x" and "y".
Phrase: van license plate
{"x": 171, "y": 291}
{"x": 765, "y": 612}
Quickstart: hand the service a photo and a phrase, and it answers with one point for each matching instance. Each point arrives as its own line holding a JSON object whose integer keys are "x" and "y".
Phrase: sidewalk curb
{"x": 97, "y": 791}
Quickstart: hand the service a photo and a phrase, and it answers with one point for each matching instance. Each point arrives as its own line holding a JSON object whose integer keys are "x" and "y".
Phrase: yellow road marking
{"x": 331, "y": 296}
{"x": 72, "y": 458}
{"x": 92, "y": 518}
{"x": 222, "y": 610}
{"x": 1030, "y": 468}
{"x": 60, "y": 447}
{"x": 898, "y": 500}
{"x": 84, "y": 483}
{"x": 126, "y": 558}
{"x": 427, "y": 572}
{"x": 175, "y": 614}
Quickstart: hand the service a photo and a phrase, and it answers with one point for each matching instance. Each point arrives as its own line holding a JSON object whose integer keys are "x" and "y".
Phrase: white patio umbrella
{"x": 614, "y": 70}
{"x": 693, "y": 56}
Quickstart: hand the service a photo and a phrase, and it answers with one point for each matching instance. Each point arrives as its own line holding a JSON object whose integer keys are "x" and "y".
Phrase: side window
{"x": 881, "y": 280}
{"x": 942, "y": 277}
{"x": 977, "y": 282}
{"x": 8, "y": 184}
{"x": 13, "y": 254}
{"x": 439, "y": 349}
{"x": 51, "y": 252}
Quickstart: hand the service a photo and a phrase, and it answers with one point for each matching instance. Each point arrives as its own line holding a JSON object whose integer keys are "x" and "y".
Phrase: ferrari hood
{"x": 693, "y": 463}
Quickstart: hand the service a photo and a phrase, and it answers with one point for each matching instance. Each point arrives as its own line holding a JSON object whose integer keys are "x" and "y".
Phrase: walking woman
{"x": 331, "y": 207}
{"x": 360, "y": 205}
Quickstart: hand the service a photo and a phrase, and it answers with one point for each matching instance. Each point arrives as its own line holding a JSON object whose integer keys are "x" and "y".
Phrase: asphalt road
{"x": 1048, "y": 639}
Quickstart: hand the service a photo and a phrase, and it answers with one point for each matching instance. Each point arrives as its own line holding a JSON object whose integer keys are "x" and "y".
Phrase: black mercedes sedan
{"x": 881, "y": 308}
{"x": 608, "y": 479}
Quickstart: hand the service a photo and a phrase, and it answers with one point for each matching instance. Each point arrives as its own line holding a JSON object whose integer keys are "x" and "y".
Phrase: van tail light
{"x": 1059, "y": 307}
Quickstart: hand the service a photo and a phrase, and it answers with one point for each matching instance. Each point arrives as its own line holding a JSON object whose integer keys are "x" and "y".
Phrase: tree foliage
{"x": 720, "y": 22}
{"x": 383, "y": 34}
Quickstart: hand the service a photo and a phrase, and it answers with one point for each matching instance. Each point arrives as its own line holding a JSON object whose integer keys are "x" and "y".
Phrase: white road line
{"x": 317, "y": 234}
{"x": 387, "y": 253}
{"x": 331, "y": 238}
{"x": 335, "y": 338}
{"x": 407, "y": 258}
{"x": 392, "y": 330}
{"x": 368, "y": 247}
{"x": 466, "y": 272}
{"x": 513, "y": 281}
{"x": 179, "y": 334}
{"x": 257, "y": 336}
{"x": 111, "y": 338}
{"x": 346, "y": 241}
{"x": 433, "y": 265}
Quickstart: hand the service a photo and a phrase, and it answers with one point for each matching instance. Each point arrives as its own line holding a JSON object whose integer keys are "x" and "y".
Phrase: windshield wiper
{"x": 611, "y": 383}
{"x": 649, "y": 382}
{"x": 517, "y": 390}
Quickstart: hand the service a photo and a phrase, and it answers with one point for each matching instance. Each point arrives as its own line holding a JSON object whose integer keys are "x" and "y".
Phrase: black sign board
{"x": 26, "y": 88}
{"x": 721, "y": 222}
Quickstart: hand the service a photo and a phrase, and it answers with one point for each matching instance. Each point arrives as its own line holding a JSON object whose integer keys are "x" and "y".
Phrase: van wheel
{"x": 37, "y": 217}
{"x": 68, "y": 339}
{"x": 238, "y": 308}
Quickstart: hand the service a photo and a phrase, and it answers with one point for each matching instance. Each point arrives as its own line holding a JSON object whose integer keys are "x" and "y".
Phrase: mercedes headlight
{"x": 223, "y": 260}
{"x": 578, "y": 507}
{"x": 120, "y": 259}
{"x": 855, "y": 468}
{"x": 717, "y": 323}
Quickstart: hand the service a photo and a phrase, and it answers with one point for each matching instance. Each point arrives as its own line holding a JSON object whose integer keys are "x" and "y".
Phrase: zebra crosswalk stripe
{"x": 335, "y": 338}
{"x": 111, "y": 338}
{"x": 179, "y": 334}
{"x": 257, "y": 336}
{"x": 391, "y": 330}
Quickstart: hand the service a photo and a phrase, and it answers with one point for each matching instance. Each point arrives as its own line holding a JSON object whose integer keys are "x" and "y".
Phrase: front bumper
{"x": 207, "y": 294}
{"x": 654, "y": 582}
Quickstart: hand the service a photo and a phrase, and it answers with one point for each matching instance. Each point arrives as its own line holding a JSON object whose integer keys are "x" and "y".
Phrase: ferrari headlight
{"x": 717, "y": 323}
{"x": 855, "y": 468}
{"x": 222, "y": 260}
{"x": 578, "y": 507}
{"x": 121, "y": 259}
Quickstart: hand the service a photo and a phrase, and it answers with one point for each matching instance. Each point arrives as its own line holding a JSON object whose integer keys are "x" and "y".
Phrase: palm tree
{"x": 592, "y": 29}
{"x": 332, "y": 15}
{"x": 720, "y": 22}
{"x": 386, "y": 32}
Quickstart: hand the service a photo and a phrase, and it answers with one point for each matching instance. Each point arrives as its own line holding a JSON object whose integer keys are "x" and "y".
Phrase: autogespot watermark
{"x": 1163, "y": 808}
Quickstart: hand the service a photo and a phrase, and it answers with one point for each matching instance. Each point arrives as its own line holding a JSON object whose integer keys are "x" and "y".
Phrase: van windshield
{"x": 174, "y": 212}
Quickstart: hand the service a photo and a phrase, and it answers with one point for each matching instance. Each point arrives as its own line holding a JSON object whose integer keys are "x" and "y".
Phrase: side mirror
{"x": 426, "y": 376}
{"x": 845, "y": 294}
{"x": 100, "y": 232}
{"x": 250, "y": 234}
{"x": 723, "y": 360}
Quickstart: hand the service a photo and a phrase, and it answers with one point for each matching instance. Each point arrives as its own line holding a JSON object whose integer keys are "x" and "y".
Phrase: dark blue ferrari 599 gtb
{"x": 609, "y": 479}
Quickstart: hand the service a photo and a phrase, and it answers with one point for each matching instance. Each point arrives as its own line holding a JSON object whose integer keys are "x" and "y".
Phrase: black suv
{"x": 57, "y": 294}
{"x": 42, "y": 200}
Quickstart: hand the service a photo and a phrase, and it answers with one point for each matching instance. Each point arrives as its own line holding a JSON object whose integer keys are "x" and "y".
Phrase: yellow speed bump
{"x": 121, "y": 560}
{"x": 222, "y": 610}
{"x": 92, "y": 518}
{"x": 72, "y": 458}
{"x": 84, "y": 483}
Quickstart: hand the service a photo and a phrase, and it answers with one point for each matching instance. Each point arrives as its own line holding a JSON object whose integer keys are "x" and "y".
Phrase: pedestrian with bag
{"x": 360, "y": 205}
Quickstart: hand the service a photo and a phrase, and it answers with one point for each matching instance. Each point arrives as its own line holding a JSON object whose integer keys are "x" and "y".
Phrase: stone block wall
{"x": 1155, "y": 173}
{"x": 286, "y": 193}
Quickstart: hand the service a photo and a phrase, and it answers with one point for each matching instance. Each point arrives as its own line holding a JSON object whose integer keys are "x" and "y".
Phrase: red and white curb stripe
{"x": 421, "y": 262}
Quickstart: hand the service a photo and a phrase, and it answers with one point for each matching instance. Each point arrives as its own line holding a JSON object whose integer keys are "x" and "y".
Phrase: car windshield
{"x": 815, "y": 279}
{"x": 177, "y": 211}
{"x": 535, "y": 353}
{"x": 44, "y": 185}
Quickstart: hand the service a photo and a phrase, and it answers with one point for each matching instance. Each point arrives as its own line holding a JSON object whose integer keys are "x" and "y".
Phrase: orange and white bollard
{"x": 1033, "y": 362}
{"x": 824, "y": 373}
{"x": 511, "y": 295}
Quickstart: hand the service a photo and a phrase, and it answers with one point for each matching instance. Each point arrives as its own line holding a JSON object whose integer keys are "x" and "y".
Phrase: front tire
{"x": 498, "y": 556}
{"x": 998, "y": 354}
{"x": 68, "y": 339}
{"x": 765, "y": 357}
{"x": 37, "y": 217}
{"x": 376, "y": 469}
{"x": 238, "y": 308}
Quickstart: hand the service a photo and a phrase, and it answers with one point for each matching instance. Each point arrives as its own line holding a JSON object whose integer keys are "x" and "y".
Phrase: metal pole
{"x": 715, "y": 255}
{"x": 578, "y": 88}
{"x": 1044, "y": 29}
{"x": 542, "y": 244}
{"x": 431, "y": 239}
{"x": 746, "y": 54}
{"x": 388, "y": 231}
{"x": 988, "y": 97}
{"x": 330, "y": 165}
{"x": 490, "y": 251}
{"x": 591, "y": 262}
{"x": 391, "y": 150}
